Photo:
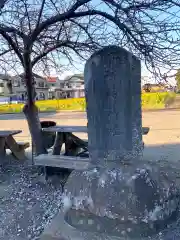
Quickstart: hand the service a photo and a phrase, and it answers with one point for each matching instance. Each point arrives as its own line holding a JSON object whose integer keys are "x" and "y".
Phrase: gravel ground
{"x": 27, "y": 202}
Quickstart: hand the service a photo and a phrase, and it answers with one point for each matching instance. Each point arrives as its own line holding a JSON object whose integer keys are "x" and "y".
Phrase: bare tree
{"x": 37, "y": 35}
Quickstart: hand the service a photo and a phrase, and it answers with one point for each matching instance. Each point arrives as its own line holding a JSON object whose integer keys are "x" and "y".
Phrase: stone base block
{"x": 135, "y": 201}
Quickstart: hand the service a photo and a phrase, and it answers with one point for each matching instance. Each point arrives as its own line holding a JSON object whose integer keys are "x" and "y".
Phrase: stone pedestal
{"x": 135, "y": 200}
{"x": 117, "y": 203}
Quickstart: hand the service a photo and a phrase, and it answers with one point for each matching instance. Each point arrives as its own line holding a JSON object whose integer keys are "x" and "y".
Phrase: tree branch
{"x": 45, "y": 53}
{"x": 71, "y": 14}
{"x": 144, "y": 5}
{"x": 116, "y": 21}
{"x": 12, "y": 44}
{"x": 27, "y": 14}
{"x": 66, "y": 43}
{"x": 7, "y": 29}
{"x": 5, "y": 51}
{"x": 57, "y": 18}
{"x": 83, "y": 28}
{"x": 40, "y": 13}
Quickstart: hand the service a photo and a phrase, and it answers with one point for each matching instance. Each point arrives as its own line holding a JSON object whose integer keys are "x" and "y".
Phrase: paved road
{"x": 18, "y": 121}
{"x": 74, "y": 115}
{"x": 64, "y": 115}
{"x": 165, "y": 125}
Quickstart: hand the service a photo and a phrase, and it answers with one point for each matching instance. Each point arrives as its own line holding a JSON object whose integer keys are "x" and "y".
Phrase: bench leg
{"x": 58, "y": 143}
{"x": 2, "y": 150}
{"x": 71, "y": 147}
{"x": 32, "y": 152}
{"x": 18, "y": 152}
{"x": 45, "y": 173}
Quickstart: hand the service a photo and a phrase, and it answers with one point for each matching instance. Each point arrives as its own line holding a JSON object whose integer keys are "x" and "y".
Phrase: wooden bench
{"x": 65, "y": 164}
{"x": 7, "y": 141}
{"x": 68, "y": 161}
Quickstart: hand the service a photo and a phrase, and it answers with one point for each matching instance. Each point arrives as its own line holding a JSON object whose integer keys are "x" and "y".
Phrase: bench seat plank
{"x": 82, "y": 129}
{"x": 23, "y": 145}
{"x": 61, "y": 161}
{"x": 7, "y": 133}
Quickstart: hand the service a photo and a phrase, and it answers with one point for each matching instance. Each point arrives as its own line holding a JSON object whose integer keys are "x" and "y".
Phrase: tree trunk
{"x": 31, "y": 113}
{"x": 30, "y": 110}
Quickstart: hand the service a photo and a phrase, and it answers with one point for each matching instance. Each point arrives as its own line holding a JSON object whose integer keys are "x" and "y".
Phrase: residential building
{"x": 55, "y": 86}
{"x": 70, "y": 87}
{"x": 73, "y": 86}
{"x": 5, "y": 85}
{"x": 41, "y": 86}
{"x": 6, "y": 91}
{"x": 46, "y": 88}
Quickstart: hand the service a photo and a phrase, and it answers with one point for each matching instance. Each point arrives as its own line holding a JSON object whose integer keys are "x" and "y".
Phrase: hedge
{"x": 149, "y": 101}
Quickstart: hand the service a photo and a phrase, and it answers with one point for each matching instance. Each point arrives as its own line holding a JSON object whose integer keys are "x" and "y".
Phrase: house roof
{"x": 75, "y": 78}
{"x": 5, "y": 77}
{"x": 52, "y": 79}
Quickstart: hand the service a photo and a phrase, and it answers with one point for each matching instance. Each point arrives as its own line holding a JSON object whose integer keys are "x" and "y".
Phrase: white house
{"x": 73, "y": 86}
{"x": 5, "y": 85}
{"x": 70, "y": 87}
{"x": 55, "y": 86}
{"x": 41, "y": 86}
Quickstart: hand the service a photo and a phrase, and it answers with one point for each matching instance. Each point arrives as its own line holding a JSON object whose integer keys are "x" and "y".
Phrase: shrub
{"x": 157, "y": 100}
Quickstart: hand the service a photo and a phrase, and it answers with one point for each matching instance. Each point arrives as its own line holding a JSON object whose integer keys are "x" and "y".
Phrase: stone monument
{"x": 113, "y": 95}
{"x": 120, "y": 196}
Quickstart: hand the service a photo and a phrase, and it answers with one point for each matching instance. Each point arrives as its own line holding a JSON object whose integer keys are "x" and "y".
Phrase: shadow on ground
{"x": 19, "y": 116}
{"x": 48, "y": 115}
{"x": 169, "y": 152}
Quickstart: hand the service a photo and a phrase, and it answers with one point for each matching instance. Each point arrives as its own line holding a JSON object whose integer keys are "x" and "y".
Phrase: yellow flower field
{"x": 149, "y": 101}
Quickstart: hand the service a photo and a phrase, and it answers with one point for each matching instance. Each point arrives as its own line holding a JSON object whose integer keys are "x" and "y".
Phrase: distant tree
{"x": 147, "y": 87}
{"x": 178, "y": 80}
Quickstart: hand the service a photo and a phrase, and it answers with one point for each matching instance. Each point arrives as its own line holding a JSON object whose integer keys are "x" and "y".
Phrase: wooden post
{"x": 58, "y": 143}
{"x": 71, "y": 147}
{"x": 2, "y": 149}
{"x": 18, "y": 152}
